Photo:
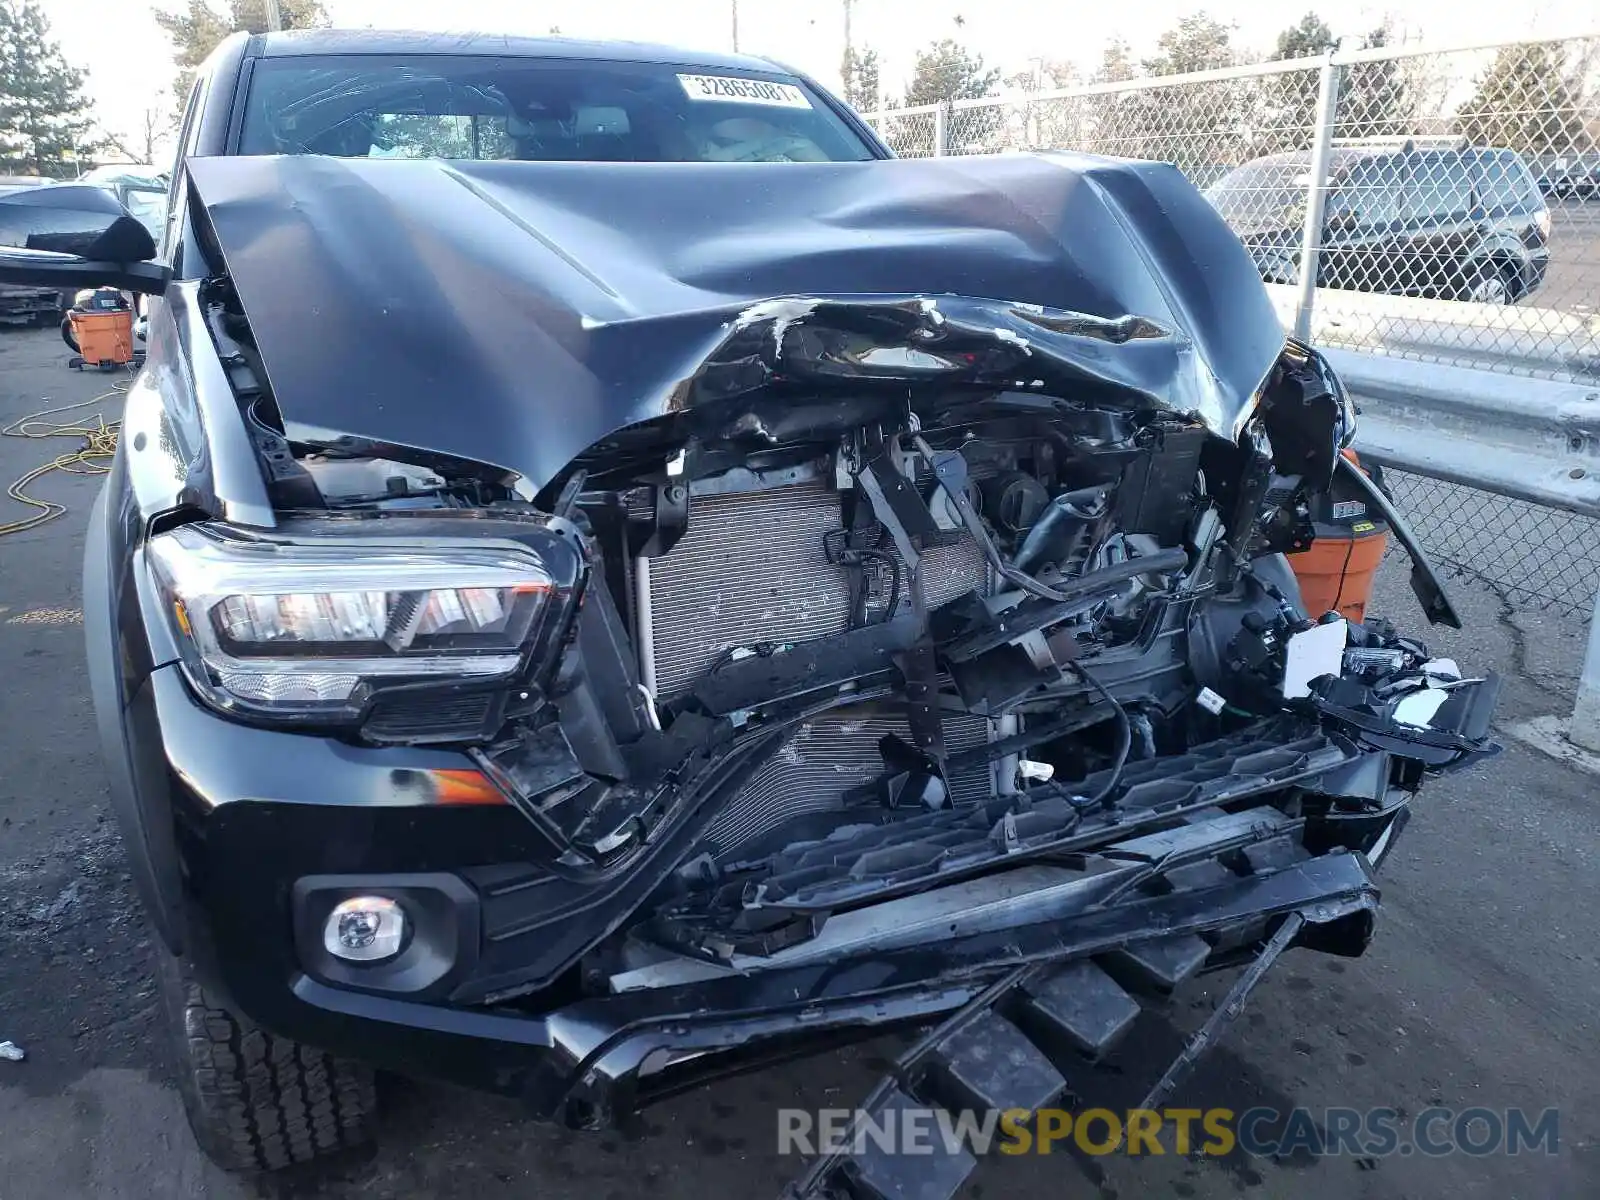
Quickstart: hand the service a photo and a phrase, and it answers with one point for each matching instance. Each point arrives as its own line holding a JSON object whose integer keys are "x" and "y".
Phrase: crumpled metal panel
{"x": 518, "y": 313}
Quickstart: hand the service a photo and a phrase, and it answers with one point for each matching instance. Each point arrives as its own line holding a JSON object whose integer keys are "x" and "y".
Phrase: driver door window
{"x": 1361, "y": 213}
{"x": 168, "y": 243}
{"x": 1369, "y": 196}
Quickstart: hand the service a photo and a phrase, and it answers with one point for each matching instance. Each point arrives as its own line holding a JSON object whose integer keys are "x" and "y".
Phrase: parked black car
{"x": 583, "y": 627}
{"x": 27, "y": 304}
{"x": 1461, "y": 223}
{"x": 1581, "y": 181}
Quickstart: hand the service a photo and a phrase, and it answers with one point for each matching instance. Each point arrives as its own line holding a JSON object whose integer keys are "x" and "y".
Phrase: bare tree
{"x": 1041, "y": 124}
{"x": 1199, "y": 126}
{"x": 140, "y": 146}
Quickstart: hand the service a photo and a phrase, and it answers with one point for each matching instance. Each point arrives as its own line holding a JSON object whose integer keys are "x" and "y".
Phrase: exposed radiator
{"x": 829, "y": 756}
{"x": 751, "y": 568}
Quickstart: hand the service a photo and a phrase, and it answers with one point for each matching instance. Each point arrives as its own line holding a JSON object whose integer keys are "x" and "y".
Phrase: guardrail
{"x": 1528, "y": 341}
{"x": 1530, "y": 439}
{"x": 1516, "y": 440}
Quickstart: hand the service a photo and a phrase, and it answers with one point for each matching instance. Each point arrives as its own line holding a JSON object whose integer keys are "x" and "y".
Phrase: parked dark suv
{"x": 1460, "y": 223}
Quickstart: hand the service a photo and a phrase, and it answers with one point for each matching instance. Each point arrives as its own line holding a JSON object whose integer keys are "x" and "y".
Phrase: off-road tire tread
{"x": 258, "y": 1102}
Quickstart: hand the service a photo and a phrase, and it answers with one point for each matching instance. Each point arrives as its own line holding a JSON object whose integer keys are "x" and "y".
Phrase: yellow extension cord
{"x": 97, "y": 443}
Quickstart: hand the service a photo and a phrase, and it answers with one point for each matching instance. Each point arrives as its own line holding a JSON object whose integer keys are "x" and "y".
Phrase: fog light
{"x": 365, "y": 929}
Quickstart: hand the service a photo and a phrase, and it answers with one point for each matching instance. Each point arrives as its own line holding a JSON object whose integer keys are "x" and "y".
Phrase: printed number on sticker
{"x": 729, "y": 89}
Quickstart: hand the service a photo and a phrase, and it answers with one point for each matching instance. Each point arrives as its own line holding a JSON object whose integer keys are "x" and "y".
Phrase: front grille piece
{"x": 826, "y": 758}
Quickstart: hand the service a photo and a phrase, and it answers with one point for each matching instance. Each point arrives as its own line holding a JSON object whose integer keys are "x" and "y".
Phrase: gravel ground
{"x": 1479, "y": 990}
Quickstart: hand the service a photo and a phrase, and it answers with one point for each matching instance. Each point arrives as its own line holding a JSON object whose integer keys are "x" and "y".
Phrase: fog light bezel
{"x": 439, "y": 946}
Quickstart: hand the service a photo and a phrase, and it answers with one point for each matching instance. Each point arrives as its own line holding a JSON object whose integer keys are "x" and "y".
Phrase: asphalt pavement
{"x": 1479, "y": 991}
{"x": 1569, "y": 285}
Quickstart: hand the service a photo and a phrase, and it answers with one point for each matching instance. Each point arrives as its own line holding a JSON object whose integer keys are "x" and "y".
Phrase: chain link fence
{"x": 1207, "y": 124}
{"x": 1533, "y": 556}
{"x": 1451, "y": 200}
{"x": 1477, "y": 238}
{"x": 1455, "y": 216}
{"x": 913, "y": 132}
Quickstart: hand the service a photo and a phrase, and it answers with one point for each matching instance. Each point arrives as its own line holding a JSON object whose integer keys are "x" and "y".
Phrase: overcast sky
{"x": 130, "y": 66}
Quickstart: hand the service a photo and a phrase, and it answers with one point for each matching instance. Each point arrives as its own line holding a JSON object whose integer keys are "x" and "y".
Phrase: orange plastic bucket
{"x": 1336, "y": 573}
{"x": 103, "y": 337}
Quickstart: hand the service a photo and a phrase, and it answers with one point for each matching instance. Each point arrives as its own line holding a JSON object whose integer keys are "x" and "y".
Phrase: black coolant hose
{"x": 1171, "y": 559}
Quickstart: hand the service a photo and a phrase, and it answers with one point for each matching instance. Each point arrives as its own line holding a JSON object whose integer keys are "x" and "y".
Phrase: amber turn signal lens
{"x": 463, "y": 787}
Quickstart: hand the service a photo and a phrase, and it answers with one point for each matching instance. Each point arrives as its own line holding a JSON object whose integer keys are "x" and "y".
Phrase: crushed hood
{"x": 515, "y": 313}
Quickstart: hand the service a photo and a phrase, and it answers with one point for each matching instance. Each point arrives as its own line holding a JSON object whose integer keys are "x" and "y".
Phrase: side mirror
{"x": 75, "y": 236}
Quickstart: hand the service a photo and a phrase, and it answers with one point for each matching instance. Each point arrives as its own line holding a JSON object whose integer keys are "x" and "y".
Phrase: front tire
{"x": 1489, "y": 284}
{"x": 258, "y": 1102}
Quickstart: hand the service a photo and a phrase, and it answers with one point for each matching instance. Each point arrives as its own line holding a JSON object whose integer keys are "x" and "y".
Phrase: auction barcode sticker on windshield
{"x": 733, "y": 90}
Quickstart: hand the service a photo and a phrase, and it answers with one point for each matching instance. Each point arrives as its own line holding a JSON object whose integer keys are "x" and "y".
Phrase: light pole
{"x": 274, "y": 16}
{"x": 1034, "y": 125}
{"x": 733, "y": 9}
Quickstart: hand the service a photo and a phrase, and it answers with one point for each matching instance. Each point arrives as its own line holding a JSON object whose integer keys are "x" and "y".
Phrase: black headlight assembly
{"x": 322, "y": 621}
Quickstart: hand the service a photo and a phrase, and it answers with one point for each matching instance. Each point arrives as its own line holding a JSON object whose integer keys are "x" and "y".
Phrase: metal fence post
{"x": 941, "y": 129}
{"x": 1585, "y": 728}
{"x": 1316, "y": 194}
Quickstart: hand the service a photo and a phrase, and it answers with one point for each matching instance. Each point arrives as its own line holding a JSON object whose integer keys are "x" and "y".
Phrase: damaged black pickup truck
{"x": 579, "y": 628}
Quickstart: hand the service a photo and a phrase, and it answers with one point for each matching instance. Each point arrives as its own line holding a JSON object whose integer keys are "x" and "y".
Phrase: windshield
{"x": 434, "y": 106}
{"x": 1261, "y": 195}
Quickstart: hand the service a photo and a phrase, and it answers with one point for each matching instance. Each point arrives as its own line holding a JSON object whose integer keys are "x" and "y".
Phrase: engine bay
{"x": 812, "y": 675}
{"x": 996, "y": 636}
{"x": 804, "y": 581}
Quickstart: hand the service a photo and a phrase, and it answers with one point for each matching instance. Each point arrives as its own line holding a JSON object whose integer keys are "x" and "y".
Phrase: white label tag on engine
{"x": 1344, "y": 510}
{"x": 1210, "y": 701}
{"x": 729, "y": 89}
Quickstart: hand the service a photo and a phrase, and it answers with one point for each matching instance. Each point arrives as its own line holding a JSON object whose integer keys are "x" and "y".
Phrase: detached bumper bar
{"x": 589, "y": 1062}
{"x": 1034, "y": 1035}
